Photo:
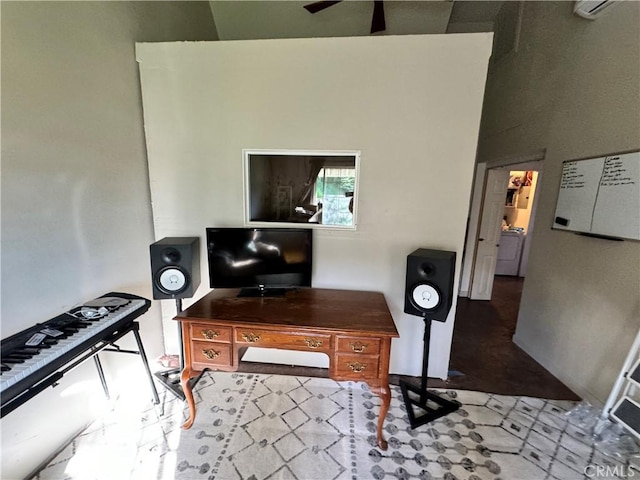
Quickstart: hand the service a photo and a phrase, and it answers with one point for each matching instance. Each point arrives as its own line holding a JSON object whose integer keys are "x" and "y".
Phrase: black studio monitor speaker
{"x": 175, "y": 267}
{"x": 429, "y": 287}
{"x": 428, "y": 294}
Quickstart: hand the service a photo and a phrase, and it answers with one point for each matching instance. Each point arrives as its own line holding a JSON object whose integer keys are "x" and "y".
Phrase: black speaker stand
{"x": 170, "y": 379}
{"x": 423, "y": 406}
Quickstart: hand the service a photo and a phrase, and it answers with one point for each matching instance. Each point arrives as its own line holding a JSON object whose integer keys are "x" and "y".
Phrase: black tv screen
{"x": 261, "y": 261}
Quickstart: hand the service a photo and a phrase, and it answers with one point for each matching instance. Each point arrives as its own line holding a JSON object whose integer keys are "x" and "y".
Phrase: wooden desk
{"x": 353, "y": 328}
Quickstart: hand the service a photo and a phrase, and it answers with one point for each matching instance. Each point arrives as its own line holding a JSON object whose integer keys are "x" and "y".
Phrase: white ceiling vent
{"x": 592, "y": 9}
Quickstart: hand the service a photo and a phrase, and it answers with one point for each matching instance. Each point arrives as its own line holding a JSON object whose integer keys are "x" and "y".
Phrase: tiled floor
{"x": 273, "y": 426}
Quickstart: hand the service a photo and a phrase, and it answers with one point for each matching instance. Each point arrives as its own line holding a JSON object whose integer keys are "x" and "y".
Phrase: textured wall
{"x": 572, "y": 88}
{"x": 76, "y": 216}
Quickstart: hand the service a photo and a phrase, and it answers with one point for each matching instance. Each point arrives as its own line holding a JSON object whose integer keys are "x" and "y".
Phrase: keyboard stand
{"x": 108, "y": 345}
{"x": 135, "y": 328}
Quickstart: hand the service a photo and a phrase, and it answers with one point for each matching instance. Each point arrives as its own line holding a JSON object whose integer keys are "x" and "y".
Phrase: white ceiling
{"x": 246, "y": 19}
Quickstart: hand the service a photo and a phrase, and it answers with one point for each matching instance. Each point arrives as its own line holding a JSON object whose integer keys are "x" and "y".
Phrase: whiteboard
{"x": 600, "y": 197}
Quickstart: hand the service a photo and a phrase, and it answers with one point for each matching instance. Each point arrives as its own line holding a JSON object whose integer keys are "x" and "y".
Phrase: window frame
{"x": 247, "y": 156}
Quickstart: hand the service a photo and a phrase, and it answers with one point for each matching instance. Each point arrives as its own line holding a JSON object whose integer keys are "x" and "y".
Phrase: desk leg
{"x": 186, "y": 375}
{"x": 384, "y": 393}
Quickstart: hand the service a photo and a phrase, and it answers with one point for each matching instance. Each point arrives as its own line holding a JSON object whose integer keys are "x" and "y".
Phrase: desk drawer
{"x": 357, "y": 366}
{"x": 298, "y": 341}
{"x": 210, "y": 353}
{"x": 208, "y": 332}
{"x": 359, "y": 345}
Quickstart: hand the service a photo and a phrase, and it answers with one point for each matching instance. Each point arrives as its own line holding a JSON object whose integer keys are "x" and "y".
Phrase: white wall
{"x": 410, "y": 104}
{"x": 76, "y": 218}
{"x": 572, "y": 88}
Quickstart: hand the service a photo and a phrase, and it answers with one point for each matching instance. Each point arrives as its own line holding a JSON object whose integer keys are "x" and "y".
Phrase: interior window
{"x": 318, "y": 188}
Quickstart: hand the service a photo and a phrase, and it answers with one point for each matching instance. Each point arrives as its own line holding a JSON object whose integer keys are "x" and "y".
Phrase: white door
{"x": 489, "y": 236}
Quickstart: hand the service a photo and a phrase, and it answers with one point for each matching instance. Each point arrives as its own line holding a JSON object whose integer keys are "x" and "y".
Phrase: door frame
{"x": 530, "y": 161}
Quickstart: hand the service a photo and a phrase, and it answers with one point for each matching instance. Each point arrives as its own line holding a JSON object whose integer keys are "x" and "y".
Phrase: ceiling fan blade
{"x": 377, "y": 22}
{"x": 316, "y": 7}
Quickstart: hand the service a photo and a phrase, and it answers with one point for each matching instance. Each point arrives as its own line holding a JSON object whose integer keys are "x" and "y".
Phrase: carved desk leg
{"x": 381, "y": 387}
{"x": 186, "y": 375}
{"x": 384, "y": 393}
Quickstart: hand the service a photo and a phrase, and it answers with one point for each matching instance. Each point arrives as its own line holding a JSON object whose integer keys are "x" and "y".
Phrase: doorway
{"x": 502, "y": 210}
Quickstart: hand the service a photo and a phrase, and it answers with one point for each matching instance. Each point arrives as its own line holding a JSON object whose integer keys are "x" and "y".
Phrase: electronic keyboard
{"x": 31, "y": 358}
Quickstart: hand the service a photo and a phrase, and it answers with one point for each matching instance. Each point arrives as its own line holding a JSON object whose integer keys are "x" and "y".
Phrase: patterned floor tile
{"x": 471, "y": 398}
{"x": 295, "y": 417}
{"x": 521, "y": 418}
{"x": 516, "y": 467}
{"x": 527, "y": 408}
{"x": 506, "y": 400}
{"x": 483, "y": 415}
{"x": 254, "y": 427}
{"x": 537, "y": 457}
{"x": 289, "y": 446}
{"x": 559, "y": 471}
{"x": 553, "y": 434}
{"x": 578, "y": 434}
{"x": 552, "y": 420}
{"x": 541, "y": 443}
{"x": 299, "y": 394}
{"x": 576, "y": 447}
{"x": 515, "y": 428}
{"x": 497, "y": 439}
{"x": 572, "y": 460}
{"x": 315, "y": 464}
{"x": 500, "y": 405}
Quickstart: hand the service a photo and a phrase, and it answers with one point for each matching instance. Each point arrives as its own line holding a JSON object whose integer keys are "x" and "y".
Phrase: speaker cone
{"x": 172, "y": 280}
{"x": 425, "y": 296}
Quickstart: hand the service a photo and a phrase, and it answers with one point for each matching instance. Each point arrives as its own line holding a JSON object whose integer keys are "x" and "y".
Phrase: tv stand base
{"x": 262, "y": 292}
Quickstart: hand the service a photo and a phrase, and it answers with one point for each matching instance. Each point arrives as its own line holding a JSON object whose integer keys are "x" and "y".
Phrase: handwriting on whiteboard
{"x": 571, "y": 177}
{"x": 600, "y": 196}
{"x": 615, "y": 173}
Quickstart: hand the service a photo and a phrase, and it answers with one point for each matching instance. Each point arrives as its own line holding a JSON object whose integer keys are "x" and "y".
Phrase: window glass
{"x": 334, "y": 193}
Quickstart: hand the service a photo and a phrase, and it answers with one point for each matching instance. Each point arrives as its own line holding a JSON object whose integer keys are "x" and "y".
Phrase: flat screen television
{"x": 260, "y": 261}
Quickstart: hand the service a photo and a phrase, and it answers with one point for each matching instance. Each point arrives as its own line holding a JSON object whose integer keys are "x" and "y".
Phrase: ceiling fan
{"x": 377, "y": 21}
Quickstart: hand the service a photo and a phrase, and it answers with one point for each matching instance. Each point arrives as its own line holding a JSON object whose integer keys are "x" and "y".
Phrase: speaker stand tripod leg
{"x": 170, "y": 379}
{"x": 422, "y": 405}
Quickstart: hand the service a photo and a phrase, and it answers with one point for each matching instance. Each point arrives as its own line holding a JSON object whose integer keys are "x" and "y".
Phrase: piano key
{"x": 17, "y": 374}
{"x": 13, "y": 361}
{"x": 18, "y": 356}
{"x": 29, "y": 350}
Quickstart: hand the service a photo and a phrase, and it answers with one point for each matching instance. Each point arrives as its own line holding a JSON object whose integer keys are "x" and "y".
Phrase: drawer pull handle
{"x": 250, "y": 337}
{"x": 210, "y": 353}
{"x": 358, "y": 346}
{"x": 313, "y": 342}
{"x": 357, "y": 367}
{"x": 209, "y": 334}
